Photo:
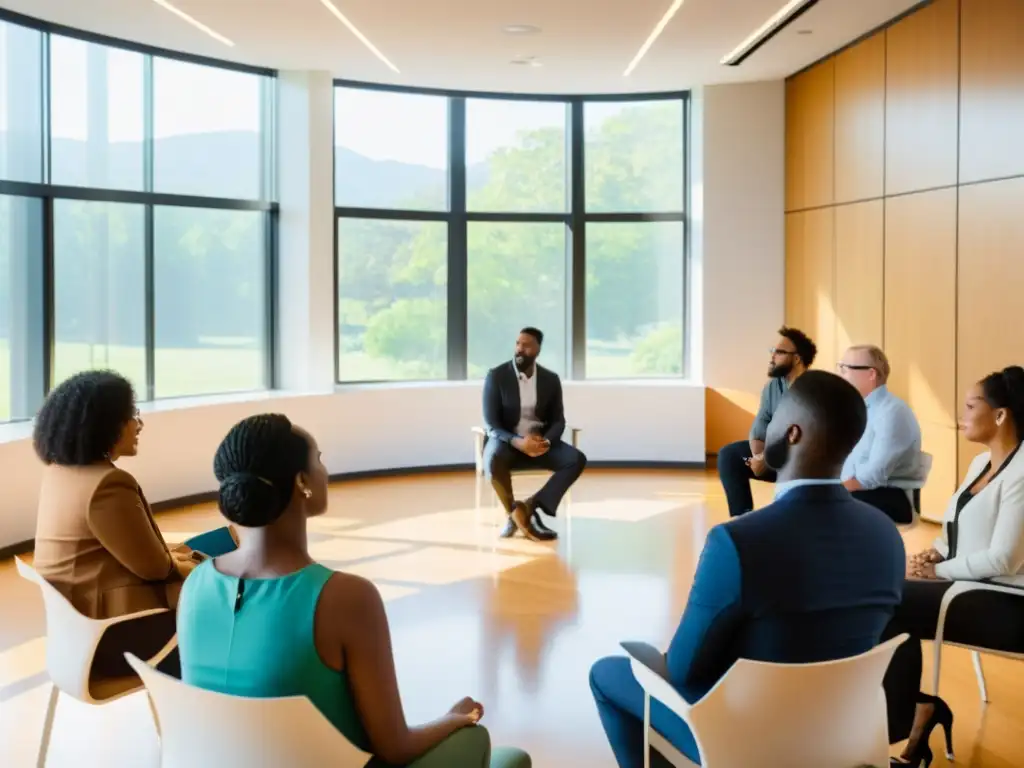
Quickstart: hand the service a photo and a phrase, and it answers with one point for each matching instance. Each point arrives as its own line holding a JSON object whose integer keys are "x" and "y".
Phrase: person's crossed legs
{"x": 562, "y": 459}
{"x": 736, "y": 475}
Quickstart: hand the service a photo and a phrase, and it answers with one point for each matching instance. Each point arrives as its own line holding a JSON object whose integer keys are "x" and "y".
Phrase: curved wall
{"x": 365, "y": 429}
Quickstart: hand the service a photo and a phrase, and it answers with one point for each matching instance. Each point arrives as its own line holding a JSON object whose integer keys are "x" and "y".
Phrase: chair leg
{"x": 936, "y": 664}
{"x": 647, "y": 730}
{"x": 51, "y": 711}
{"x": 980, "y": 672}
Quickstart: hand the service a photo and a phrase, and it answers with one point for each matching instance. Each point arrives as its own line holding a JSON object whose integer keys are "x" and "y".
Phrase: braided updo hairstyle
{"x": 1005, "y": 389}
{"x": 256, "y": 465}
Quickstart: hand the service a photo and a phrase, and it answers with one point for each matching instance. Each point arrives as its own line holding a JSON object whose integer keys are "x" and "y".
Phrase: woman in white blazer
{"x": 982, "y": 539}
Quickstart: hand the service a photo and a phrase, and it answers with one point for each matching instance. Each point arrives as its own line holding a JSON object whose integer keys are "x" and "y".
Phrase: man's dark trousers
{"x": 736, "y": 476}
{"x": 566, "y": 462}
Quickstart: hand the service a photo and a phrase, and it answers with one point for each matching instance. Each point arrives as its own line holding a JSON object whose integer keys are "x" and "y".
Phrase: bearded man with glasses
{"x": 743, "y": 461}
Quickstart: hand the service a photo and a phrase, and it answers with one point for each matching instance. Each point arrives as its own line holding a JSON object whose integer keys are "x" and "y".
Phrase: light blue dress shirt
{"x": 889, "y": 453}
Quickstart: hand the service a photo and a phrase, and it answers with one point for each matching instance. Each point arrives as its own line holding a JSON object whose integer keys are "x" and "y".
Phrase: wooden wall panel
{"x": 922, "y": 72}
{"x": 990, "y": 280}
{"x": 809, "y": 142}
{"x": 860, "y": 120}
{"x": 992, "y": 89}
{"x": 859, "y": 274}
{"x": 810, "y": 279}
{"x": 920, "y": 325}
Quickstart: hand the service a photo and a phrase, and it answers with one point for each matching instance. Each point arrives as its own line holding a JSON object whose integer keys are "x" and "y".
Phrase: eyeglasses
{"x": 848, "y": 367}
{"x": 776, "y": 351}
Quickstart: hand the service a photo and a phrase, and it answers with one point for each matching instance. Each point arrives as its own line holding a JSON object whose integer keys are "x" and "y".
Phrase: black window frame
{"x": 575, "y": 218}
{"x": 40, "y": 380}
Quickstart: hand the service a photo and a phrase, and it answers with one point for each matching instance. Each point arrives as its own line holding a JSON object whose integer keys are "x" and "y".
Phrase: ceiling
{"x": 584, "y": 45}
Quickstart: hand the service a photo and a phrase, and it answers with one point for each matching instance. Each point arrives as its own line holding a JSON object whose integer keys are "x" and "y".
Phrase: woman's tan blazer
{"x": 97, "y": 542}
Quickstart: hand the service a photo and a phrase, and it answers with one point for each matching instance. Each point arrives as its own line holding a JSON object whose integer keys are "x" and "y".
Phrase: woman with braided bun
{"x": 267, "y": 620}
{"x": 982, "y": 540}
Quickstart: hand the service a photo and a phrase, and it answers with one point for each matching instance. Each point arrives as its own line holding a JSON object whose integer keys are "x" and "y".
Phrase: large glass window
{"x": 516, "y": 157}
{"x": 211, "y": 301}
{"x": 392, "y": 300}
{"x": 21, "y": 307}
{"x": 99, "y": 289}
{"x": 566, "y": 214}
{"x": 207, "y": 131}
{"x": 634, "y": 299}
{"x": 138, "y": 234}
{"x": 391, "y": 150}
{"x": 516, "y": 278}
{"x": 634, "y": 156}
{"x": 21, "y": 103}
{"x": 97, "y": 113}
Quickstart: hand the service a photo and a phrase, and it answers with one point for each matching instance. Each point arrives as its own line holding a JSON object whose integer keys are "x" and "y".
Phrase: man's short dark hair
{"x": 834, "y": 407}
{"x": 537, "y": 333}
{"x": 806, "y": 348}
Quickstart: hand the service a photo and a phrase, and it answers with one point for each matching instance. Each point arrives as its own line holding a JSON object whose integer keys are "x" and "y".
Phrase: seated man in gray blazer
{"x": 887, "y": 460}
{"x": 525, "y": 418}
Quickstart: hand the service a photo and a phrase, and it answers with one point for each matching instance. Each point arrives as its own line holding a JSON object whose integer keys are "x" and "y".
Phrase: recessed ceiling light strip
{"x": 672, "y": 11}
{"x": 194, "y": 22}
{"x": 362, "y": 38}
{"x": 783, "y": 17}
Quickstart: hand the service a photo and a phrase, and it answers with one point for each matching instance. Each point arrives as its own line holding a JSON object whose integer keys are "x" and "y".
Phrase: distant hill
{"x": 226, "y": 164}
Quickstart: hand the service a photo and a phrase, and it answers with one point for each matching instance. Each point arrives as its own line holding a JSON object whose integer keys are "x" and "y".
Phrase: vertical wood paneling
{"x": 992, "y": 89}
{"x": 860, "y": 120}
{"x": 920, "y": 324}
{"x": 934, "y": 276}
{"x": 990, "y": 282}
{"x": 922, "y": 99}
{"x": 810, "y": 279}
{"x": 809, "y": 142}
{"x": 859, "y": 274}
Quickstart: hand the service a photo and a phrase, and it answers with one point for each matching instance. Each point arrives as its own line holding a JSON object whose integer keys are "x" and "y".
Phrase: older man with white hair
{"x": 887, "y": 460}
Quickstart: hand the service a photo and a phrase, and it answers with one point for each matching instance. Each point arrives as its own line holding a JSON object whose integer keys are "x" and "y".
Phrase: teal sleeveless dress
{"x": 266, "y": 649}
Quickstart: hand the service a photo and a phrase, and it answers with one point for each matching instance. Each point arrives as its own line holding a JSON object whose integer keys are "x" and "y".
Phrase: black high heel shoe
{"x": 922, "y": 758}
{"x": 941, "y": 715}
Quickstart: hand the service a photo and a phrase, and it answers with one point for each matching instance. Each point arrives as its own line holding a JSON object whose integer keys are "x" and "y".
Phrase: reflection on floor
{"x": 512, "y": 623}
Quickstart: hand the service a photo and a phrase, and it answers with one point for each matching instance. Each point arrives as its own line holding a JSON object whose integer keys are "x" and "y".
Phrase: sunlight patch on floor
{"x": 22, "y": 661}
{"x": 437, "y": 565}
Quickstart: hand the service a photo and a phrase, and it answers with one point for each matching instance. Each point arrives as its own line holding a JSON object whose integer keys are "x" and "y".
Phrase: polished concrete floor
{"x": 511, "y": 623}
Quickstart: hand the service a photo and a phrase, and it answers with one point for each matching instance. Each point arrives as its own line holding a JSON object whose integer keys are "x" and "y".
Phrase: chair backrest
{"x": 206, "y": 729}
{"x": 826, "y": 715}
{"x": 71, "y": 638}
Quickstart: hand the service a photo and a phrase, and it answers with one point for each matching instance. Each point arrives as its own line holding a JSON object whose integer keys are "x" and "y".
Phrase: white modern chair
{"x": 206, "y": 729}
{"x": 71, "y": 643}
{"x": 480, "y": 437}
{"x": 963, "y": 588}
{"x": 913, "y": 488}
{"x": 761, "y": 715}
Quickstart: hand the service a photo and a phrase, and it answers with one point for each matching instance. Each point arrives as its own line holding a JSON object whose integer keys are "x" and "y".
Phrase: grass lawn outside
{"x": 179, "y": 372}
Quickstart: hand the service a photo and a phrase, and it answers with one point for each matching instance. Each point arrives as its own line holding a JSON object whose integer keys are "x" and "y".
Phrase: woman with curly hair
{"x": 96, "y": 539}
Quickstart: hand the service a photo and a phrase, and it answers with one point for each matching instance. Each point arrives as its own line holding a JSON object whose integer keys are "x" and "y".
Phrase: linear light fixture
{"x": 194, "y": 22}
{"x": 355, "y": 31}
{"x": 655, "y": 33}
{"x": 782, "y": 18}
